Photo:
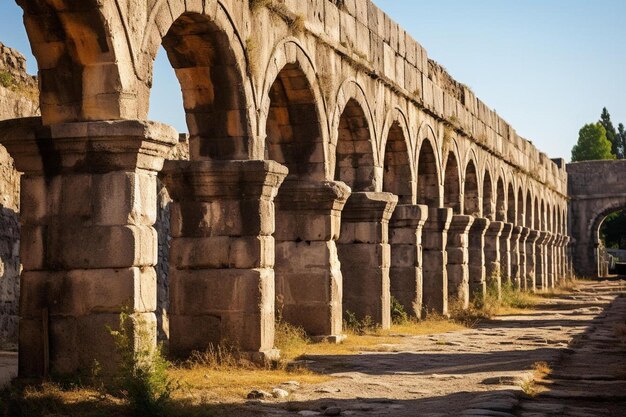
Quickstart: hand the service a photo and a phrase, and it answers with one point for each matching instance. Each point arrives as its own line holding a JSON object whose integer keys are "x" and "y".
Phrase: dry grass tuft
{"x": 541, "y": 369}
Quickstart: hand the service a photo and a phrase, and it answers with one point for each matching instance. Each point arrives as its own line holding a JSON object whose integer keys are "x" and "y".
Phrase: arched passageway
{"x": 397, "y": 175}
{"x": 470, "y": 194}
{"x": 452, "y": 184}
{"x": 488, "y": 201}
{"x": 211, "y": 260}
{"x": 307, "y": 277}
{"x": 363, "y": 245}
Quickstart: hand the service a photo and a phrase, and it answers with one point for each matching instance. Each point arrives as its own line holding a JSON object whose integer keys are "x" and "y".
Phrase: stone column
{"x": 531, "y": 260}
{"x": 523, "y": 264}
{"x": 476, "y": 253}
{"x": 557, "y": 259}
{"x": 549, "y": 253}
{"x": 364, "y": 254}
{"x": 406, "y": 275}
{"x": 505, "y": 251}
{"x": 492, "y": 255}
{"x": 516, "y": 232}
{"x": 457, "y": 253}
{"x": 567, "y": 272}
{"x": 307, "y": 271}
{"x": 88, "y": 246}
{"x": 541, "y": 277}
{"x": 222, "y": 255}
{"x": 434, "y": 238}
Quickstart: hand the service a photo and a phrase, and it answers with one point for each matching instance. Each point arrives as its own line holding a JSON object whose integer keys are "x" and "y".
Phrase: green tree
{"x": 621, "y": 132}
{"x": 592, "y": 144}
{"x": 611, "y": 134}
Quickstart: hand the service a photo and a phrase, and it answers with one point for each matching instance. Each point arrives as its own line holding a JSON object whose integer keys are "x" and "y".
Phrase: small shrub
{"x": 359, "y": 327}
{"x": 6, "y": 79}
{"x": 398, "y": 313}
{"x": 142, "y": 373}
{"x": 512, "y": 297}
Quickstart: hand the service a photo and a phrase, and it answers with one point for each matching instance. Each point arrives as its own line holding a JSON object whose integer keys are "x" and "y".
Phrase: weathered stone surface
{"x": 18, "y": 98}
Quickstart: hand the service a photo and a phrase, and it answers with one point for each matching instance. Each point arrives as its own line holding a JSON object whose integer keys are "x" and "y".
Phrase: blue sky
{"x": 546, "y": 66}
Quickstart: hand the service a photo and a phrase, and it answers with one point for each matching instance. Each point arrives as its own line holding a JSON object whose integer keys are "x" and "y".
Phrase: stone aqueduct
{"x": 332, "y": 165}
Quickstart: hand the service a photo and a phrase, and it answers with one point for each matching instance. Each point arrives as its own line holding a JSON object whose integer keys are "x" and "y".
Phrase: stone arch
{"x": 542, "y": 216}
{"x": 353, "y": 139}
{"x": 470, "y": 190}
{"x": 352, "y": 94}
{"x": 488, "y": 202}
{"x": 295, "y": 73}
{"x": 452, "y": 183}
{"x": 213, "y": 82}
{"x": 428, "y": 174}
{"x": 500, "y": 200}
{"x": 537, "y": 215}
{"x": 294, "y": 133}
{"x": 520, "y": 207}
{"x": 80, "y": 53}
{"x": 549, "y": 213}
{"x": 528, "y": 221}
{"x": 398, "y": 173}
{"x": 510, "y": 205}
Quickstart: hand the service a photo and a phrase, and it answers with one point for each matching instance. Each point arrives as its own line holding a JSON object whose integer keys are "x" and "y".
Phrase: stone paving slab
{"x": 473, "y": 372}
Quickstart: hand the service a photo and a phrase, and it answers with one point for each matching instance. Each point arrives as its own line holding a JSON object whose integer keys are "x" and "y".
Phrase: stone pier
{"x": 434, "y": 240}
{"x": 476, "y": 253}
{"x": 531, "y": 259}
{"x": 222, "y": 255}
{"x": 457, "y": 255}
{"x": 541, "y": 274}
{"x": 492, "y": 254}
{"x": 516, "y": 263}
{"x": 406, "y": 273}
{"x": 309, "y": 285}
{"x": 88, "y": 245}
{"x": 523, "y": 263}
{"x": 505, "y": 251}
{"x": 364, "y": 254}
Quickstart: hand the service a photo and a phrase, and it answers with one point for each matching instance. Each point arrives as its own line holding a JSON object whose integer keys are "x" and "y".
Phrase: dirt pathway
{"x": 590, "y": 378}
{"x": 480, "y": 371}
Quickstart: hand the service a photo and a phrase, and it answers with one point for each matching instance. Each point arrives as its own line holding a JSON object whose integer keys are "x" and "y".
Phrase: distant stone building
{"x": 18, "y": 98}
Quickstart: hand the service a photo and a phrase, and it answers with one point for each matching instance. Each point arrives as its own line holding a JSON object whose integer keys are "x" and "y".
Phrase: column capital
{"x": 524, "y": 233}
{"x": 409, "y": 215}
{"x": 209, "y": 180}
{"x": 369, "y": 206}
{"x": 533, "y": 236}
{"x": 495, "y": 229}
{"x": 317, "y": 196}
{"x": 86, "y": 147}
{"x": 544, "y": 237}
{"x": 507, "y": 229}
{"x": 460, "y": 223}
{"x": 516, "y": 232}
{"x": 480, "y": 225}
{"x": 438, "y": 219}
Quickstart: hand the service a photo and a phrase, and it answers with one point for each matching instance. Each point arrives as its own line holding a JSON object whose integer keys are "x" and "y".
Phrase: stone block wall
{"x": 18, "y": 98}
